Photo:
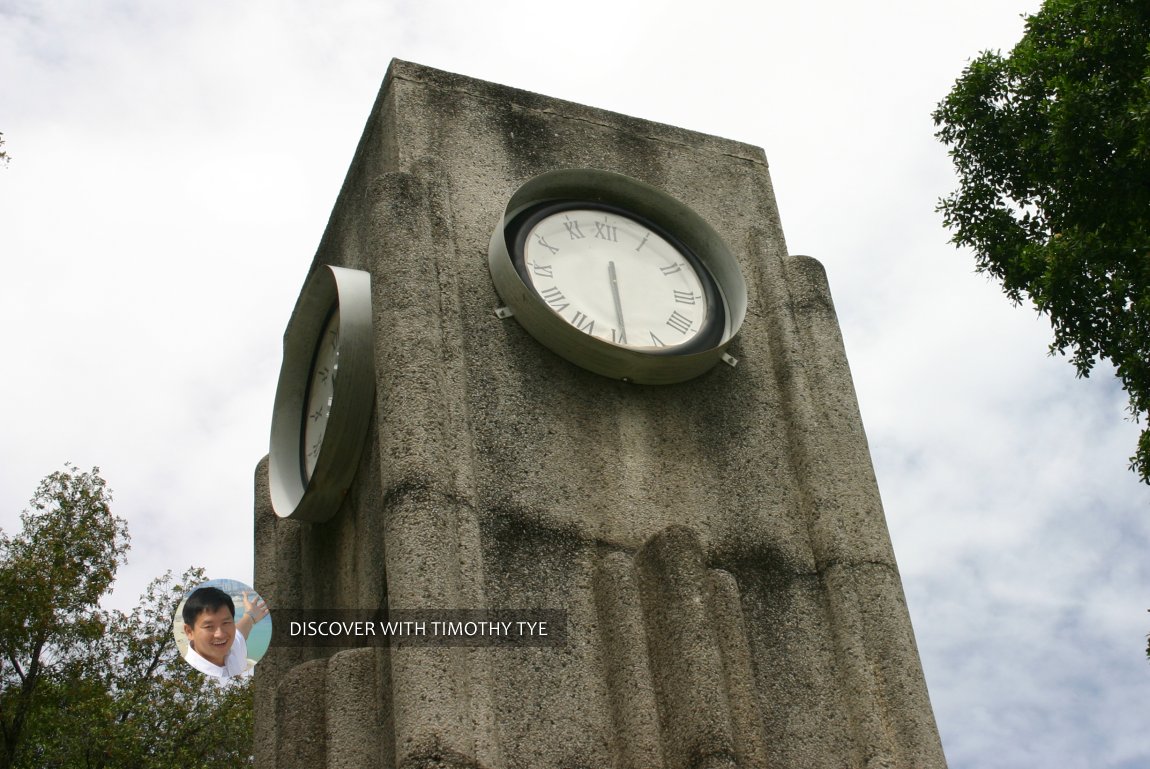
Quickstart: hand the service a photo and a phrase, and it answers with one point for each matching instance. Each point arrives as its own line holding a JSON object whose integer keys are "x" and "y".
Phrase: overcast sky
{"x": 174, "y": 163}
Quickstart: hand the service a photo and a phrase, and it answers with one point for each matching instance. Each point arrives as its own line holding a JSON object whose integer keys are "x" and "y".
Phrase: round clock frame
{"x": 325, "y": 393}
{"x": 615, "y": 213}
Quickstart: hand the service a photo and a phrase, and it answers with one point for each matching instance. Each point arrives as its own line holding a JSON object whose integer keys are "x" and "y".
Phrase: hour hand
{"x": 618, "y": 302}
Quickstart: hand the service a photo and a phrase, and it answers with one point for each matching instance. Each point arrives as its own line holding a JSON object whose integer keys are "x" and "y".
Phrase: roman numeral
{"x": 544, "y": 270}
{"x": 539, "y": 239}
{"x": 679, "y": 322}
{"x": 656, "y": 340}
{"x": 619, "y": 336}
{"x": 555, "y": 298}
{"x": 573, "y": 230}
{"x": 671, "y": 269}
{"x": 684, "y": 297}
{"x": 605, "y": 231}
{"x": 643, "y": 241}
{"x": 583, "y": 323}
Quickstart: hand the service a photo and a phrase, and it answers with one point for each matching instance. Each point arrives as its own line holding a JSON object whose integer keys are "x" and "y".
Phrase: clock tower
{"x": 552, "y": 358}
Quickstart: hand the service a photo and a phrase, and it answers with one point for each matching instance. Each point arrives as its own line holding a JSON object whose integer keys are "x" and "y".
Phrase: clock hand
{"x": 618, "y": 302}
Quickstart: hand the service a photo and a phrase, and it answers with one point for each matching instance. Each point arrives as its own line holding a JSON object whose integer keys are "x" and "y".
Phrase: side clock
{"x": 617, "y": 276}
{"x": 324, "y": 397}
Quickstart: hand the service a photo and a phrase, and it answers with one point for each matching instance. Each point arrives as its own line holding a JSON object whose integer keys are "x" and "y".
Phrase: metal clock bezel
{"x": 592, "y": 188}
{"x": 318, "y": 498}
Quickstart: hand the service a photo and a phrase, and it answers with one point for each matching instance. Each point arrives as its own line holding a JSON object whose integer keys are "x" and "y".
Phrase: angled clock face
{"x": 325, "y": 395}
{"x": 619, "y": 278}
{"x": 320, "y": 394}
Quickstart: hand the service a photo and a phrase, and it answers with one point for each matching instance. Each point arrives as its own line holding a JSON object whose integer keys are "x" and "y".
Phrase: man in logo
{"x": 214, "y": 646}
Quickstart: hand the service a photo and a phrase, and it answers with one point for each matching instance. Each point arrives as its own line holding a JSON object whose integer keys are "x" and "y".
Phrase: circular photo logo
{"x": 222, "y": 628}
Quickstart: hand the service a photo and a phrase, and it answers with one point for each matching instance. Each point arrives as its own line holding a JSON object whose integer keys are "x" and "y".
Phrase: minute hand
{"x": 618, "y": 302}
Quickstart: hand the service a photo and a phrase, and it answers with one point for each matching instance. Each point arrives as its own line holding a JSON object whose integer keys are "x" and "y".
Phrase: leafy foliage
{"x": 1052, "y": 148}
{"x": 83, "y": 687}
{"x": 51, "y": 579}
{"x": 132, "y": 702}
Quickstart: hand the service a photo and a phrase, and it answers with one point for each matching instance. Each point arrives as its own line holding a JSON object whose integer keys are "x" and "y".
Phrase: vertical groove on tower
{"x": 354, "y": 723}
{"x": 685, "y": 660}
{"x": 623, "y": 637}
{"x": 301, "y": 742}
{"x": 738, "y": 674}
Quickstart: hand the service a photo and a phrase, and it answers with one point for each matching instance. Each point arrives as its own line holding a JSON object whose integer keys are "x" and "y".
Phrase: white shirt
{"x": 235, "y": 664}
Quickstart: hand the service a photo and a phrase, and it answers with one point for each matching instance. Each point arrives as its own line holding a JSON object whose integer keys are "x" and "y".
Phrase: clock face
{"x": 320, "y": 393}
{"x": 325, "y": 395}
{"x": 618, "y": 278}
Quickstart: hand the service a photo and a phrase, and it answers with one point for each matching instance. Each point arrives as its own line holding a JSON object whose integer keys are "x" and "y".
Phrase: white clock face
{"x": 614, "y": 278}
{"x": 324, "y": 397}
{"x": 320, "y": 391}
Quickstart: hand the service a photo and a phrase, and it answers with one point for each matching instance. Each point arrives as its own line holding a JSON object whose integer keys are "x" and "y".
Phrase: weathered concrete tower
{"x": 717, "y": 543}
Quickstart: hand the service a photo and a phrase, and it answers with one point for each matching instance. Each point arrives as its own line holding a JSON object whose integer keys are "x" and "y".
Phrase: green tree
{"x": 130, "y": 702}
{"x": 51, "y": 579}
{"x": 1052, "y": 149}
{"x": 87, "y": 688}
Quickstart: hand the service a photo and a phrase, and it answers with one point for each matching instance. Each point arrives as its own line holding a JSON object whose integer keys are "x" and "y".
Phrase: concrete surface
{"x": 719, "y": 545}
